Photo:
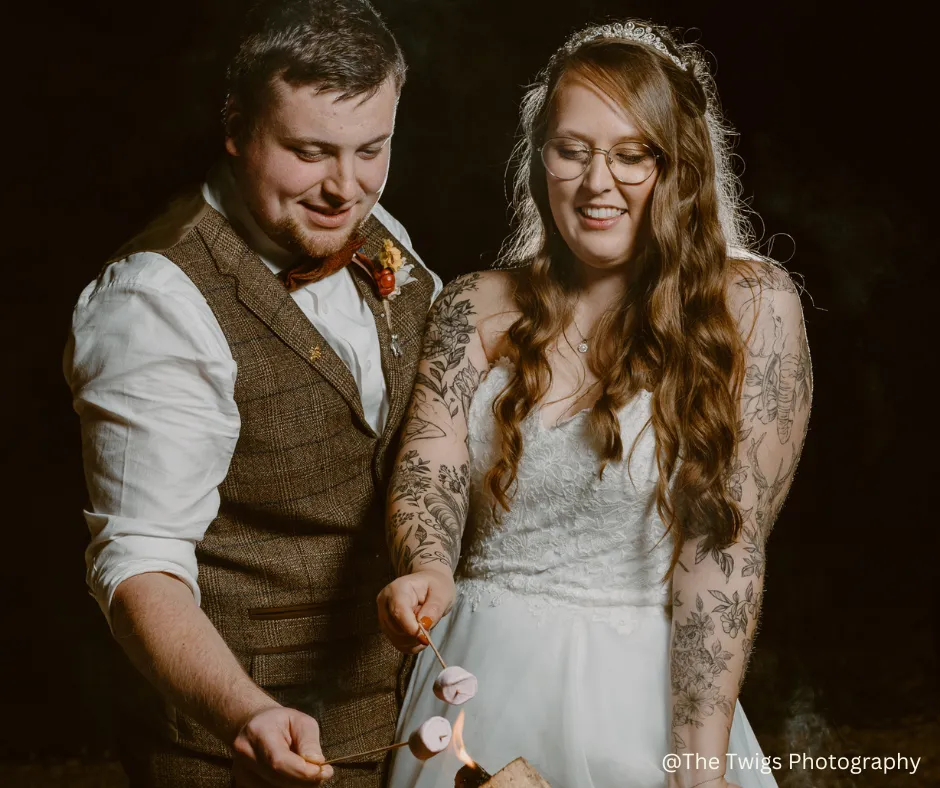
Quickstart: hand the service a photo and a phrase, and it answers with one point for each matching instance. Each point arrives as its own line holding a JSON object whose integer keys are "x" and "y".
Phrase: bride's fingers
{"x": 430, "y": 614}
{"x": 402, "y": 613}
{"x": 403, "y": 643}
{"x": 397, "y": 616}
{"x": 435, "y": 604}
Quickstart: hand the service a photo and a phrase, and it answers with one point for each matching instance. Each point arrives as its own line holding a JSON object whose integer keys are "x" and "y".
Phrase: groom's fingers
{"x": 269, "y": 750}
{"x": 305, "y": 735}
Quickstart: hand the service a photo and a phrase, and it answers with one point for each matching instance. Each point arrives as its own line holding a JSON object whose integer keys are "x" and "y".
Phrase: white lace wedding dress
{"x": 561, "y": 615}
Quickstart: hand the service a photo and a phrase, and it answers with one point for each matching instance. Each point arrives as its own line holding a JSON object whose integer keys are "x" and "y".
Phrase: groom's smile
{"x": 327, "y": 217}
{"x": 313, "y": 163}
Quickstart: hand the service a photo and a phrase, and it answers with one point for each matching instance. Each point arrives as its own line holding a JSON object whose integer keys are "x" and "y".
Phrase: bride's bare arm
{"x": 717, "y": 593}
{"x": 428, "y": 494}
{"x": 427, "y": 499}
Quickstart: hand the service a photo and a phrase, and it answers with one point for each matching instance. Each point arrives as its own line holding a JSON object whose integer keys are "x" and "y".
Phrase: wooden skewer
{"x": 431, "y": 644}
{"x": 359, "y": 754}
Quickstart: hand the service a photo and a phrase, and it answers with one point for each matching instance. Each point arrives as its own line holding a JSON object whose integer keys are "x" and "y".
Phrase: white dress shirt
{"x": 153, "y": 380}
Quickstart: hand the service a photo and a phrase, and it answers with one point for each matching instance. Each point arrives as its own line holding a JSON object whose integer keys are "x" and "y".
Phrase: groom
{"x": 241, "y": 370}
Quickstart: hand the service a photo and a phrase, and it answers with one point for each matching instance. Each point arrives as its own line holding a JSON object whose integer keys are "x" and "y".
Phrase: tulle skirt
{"x": 581, "y": 693}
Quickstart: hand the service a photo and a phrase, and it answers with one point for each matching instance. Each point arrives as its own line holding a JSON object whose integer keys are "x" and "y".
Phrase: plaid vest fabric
{"x": 290, "y": 568}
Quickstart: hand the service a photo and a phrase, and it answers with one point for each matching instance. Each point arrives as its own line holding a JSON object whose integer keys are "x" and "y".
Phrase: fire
{"x": 457, "y": 742}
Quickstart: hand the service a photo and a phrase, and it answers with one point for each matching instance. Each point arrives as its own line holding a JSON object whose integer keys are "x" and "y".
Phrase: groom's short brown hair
{"x": 336, "y": 45}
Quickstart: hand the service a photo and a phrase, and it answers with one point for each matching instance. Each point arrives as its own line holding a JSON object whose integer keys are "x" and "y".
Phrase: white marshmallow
{"x": 455, "y": 685}
{"x": 429, "y": 738}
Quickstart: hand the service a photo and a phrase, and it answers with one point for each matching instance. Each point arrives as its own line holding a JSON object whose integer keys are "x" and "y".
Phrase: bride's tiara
{"x": 628, "y": 30}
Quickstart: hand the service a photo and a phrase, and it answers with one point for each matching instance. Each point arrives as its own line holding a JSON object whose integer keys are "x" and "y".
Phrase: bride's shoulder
{"x": 484, "y": 301}
{"x": 758, "y": 281}
{"x": 482, "y": 295}
{"x": 764, "y": 300}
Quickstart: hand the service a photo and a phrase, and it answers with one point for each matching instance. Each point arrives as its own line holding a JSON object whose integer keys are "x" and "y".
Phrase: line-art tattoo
{"x": 446, "y": 338}
{"x": 444, "y": 389}
{"x": 767, "y": 277}
{"x": 736, "y": 479}
{"x": 759, "y": 520}
{"x": 779, "y": 382}
{"x": 695, "y": 668}
{"x": 442, "y": 509}
{"x": 754, "y": 561}
{"x": 412, "y": 479}
{"x": 770, "y": 495}
{"x": 465, "y": 385}
{"x": 404, "y": 552}
{"x": 420, "y": 424}
{"x": 721, "y": 557}
{"x": 447, "y": 511}
{"x": 734, "y": 610}
{"x": 775, "y": 401}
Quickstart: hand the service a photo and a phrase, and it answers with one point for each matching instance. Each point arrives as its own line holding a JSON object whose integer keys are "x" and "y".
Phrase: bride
{"x": 599, "y": 441}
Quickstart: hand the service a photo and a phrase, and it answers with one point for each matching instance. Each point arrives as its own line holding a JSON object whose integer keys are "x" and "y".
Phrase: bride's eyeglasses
{"x": 630, "y": 163}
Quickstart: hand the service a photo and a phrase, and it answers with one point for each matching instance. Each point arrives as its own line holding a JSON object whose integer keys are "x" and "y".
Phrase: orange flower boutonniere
{"x": 390, "y": 273}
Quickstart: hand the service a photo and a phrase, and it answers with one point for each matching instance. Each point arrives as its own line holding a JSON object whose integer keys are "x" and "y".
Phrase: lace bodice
{"x": 570, "y": 538}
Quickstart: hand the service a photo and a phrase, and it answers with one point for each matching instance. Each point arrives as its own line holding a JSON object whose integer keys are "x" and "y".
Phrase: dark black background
{"x": 832, "y": 106}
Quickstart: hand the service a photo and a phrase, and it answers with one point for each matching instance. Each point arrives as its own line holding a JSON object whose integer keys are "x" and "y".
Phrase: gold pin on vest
{"x": 315, "y": 354}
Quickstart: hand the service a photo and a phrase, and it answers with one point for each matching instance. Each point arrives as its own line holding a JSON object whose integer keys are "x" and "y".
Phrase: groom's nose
{"x": 341, "y": 185}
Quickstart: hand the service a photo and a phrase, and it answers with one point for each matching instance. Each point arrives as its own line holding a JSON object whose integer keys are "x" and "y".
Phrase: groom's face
{"x": 313, "y": 165}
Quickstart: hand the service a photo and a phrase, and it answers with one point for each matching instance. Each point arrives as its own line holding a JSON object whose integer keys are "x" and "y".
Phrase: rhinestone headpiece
{"x": 628, "y": 30}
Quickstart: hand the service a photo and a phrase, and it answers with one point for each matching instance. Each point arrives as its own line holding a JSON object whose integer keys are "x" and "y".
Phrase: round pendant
{"x": 583, "y": 347}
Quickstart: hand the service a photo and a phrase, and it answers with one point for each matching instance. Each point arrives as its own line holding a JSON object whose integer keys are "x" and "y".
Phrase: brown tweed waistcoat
{"x": 290, "y": 568}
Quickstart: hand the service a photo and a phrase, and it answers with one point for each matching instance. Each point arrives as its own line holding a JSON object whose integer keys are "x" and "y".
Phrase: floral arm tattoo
{"x": 717, "y": 593}
{"x": 428, "y": 495}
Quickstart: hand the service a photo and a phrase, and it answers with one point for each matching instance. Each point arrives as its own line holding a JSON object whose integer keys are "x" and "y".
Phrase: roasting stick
{"x": 454, "y": 685}
{"x": 358, "y": 754}
{"x": 430, "y": 738}
{"x": 427, "y": 635}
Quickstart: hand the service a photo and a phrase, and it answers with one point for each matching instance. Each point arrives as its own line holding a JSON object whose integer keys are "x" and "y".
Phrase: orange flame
{"x": 457, "y": 742}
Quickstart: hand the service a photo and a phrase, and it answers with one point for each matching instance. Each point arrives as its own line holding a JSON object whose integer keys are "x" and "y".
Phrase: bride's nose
{"x": 597, "y": 178}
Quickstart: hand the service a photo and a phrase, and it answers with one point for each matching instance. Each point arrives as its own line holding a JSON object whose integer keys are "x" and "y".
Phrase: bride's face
{"x": 599, "y": 218}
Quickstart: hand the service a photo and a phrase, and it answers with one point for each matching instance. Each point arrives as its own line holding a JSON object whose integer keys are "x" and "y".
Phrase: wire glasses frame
{"x": 628, "y": 169}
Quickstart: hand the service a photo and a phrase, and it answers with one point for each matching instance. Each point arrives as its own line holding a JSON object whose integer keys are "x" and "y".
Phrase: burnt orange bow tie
{"x": 313, "y": 269}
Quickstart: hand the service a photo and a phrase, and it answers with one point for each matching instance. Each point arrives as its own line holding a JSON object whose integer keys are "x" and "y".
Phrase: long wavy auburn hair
{"x": 672, "y": 333}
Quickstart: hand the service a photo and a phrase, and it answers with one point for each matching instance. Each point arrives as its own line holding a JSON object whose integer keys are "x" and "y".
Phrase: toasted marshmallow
{"x": 429, "y": 738}
{"x": 455, "y": 685}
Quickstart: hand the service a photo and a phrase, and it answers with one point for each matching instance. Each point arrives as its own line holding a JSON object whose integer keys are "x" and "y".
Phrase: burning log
{"x": 518, "y": 774}
{"x": 471, "y": 776}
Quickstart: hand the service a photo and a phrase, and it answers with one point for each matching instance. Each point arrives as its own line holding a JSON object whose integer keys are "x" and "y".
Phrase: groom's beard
{"x": 289, "y": 235}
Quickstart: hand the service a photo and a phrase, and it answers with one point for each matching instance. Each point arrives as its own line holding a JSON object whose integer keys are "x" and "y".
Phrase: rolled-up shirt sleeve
{"x": 152, "y": 381}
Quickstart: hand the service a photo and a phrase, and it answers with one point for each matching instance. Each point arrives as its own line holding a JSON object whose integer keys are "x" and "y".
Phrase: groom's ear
{"x": 235, "y": 124}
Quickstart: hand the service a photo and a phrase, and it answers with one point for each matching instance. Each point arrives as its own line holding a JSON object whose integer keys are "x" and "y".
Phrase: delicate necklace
{"x": 583, "y": 346}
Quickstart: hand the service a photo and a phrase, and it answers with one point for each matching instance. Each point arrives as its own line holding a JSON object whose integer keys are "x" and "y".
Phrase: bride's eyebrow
{"x": 565, "y": 132}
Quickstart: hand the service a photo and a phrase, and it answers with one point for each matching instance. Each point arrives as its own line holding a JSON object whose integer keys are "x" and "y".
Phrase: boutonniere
{"x": 390, "y": 273}
{"x": 394, "y": 272}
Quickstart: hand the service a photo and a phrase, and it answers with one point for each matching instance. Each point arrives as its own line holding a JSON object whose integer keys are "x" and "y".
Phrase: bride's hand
{"x": 424, "y": 594}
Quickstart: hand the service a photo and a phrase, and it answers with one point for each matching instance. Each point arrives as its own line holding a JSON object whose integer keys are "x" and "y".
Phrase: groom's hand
{"x": 426, "y": 594}
{"x": 275, "y": 747}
